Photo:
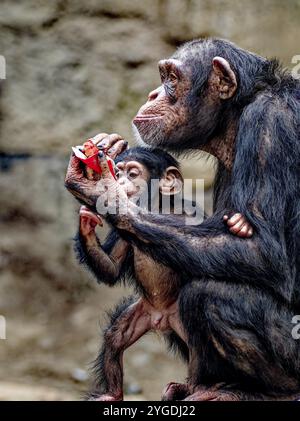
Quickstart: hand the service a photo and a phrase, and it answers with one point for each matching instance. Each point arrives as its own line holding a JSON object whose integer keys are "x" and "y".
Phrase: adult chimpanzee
{"x": 238, "y": 305}
{"x": 154, "y": 307}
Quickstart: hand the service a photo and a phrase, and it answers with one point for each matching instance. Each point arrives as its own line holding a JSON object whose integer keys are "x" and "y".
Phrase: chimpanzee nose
{"x": 153, "y": 94}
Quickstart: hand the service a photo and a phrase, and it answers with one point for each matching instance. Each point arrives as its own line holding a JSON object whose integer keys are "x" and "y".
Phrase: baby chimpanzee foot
{"x": 175, "y": 392}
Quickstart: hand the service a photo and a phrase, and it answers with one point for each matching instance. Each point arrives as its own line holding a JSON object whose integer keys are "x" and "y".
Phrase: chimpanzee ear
{"x": 171, "y": 182}
{"x": 226, "y": 79}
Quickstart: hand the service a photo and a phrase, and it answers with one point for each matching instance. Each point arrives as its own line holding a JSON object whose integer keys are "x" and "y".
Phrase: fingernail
{"x": 103, "y": 144}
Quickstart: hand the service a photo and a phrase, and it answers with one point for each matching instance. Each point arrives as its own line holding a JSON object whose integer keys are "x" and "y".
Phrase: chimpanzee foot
{"x": 106, "y": 398}
{"x": 175, "y": 392}
{"x": 212, "y": 395}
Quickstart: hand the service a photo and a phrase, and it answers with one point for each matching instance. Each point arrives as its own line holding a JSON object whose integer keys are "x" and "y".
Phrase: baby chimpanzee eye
{"x": 133, "y": 174}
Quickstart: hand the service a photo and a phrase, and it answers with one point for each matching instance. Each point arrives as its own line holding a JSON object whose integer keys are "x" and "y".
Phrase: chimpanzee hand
{"x": 105, "y": 193}
{"x": 239, "y": 225}
{"x": 86, "y": 190}
{"x": 88, "y": 221}
{"x": 77, "y": 183}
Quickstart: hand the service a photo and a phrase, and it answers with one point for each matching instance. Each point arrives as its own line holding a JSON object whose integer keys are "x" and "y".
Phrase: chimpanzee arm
{"x": 107, "y": 262}
{"x": 206, "y": 249}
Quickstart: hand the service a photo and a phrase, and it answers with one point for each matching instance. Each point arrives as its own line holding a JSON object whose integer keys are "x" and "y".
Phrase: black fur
{"x": 177, "y": 346}
{"x": 155, "y": 160}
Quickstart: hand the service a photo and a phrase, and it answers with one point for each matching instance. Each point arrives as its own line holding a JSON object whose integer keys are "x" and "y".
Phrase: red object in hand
{"x": 89, "y": 148}
{"x": 90, "y": 157}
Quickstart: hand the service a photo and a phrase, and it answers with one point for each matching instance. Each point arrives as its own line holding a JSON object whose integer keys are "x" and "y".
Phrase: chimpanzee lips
{"x": 146, "y": 117}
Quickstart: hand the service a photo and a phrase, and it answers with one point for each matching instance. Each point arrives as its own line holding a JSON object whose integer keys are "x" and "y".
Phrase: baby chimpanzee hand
{"x": 239, "y": 225}
{"x": 88, "y": 221}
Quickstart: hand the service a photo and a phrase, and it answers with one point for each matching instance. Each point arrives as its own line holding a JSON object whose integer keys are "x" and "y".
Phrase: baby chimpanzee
{"x": 154, "y": 307}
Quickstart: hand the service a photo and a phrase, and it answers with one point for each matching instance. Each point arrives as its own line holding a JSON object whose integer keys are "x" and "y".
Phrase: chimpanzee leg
{"x": 128, "y": 323}
{"x": 174, "y": 391}
{"x": 241, "y": 336}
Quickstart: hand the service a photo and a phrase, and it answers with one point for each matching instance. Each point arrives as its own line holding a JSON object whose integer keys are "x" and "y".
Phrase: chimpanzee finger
{"x": 74, "y": 171}
{"x": 237, "y": 226}
{"x": 83, "y": 208}
{"x": 243, "y": 232}
{"x": 119, "y": 147}
{"x": 86, "y": 213}
{"x": 99, "y": 137}
{"x": 249, "y": 230}
{"x": 234, "y": 219}
{"x": 108, "y": 141}
{"x": 104, "y": 166}
{"x": 75, "y": 164}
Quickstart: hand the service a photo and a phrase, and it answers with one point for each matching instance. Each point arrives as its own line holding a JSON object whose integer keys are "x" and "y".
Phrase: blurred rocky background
{"x": 75, "y": 68}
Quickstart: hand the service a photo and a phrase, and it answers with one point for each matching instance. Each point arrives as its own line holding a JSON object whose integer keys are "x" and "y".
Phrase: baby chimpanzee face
{"x": 133, "y": 176}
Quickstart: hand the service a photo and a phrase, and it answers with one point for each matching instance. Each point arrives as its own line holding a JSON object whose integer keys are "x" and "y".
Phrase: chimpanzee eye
{"x": 172, "y": 77}
{"x": 133, "y": 174}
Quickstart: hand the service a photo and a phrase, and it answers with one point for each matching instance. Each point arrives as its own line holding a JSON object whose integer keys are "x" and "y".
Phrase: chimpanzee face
{"x": 133, "y": 176}
{"x": 180, "y": 114}
{"x": 166, "y": 111}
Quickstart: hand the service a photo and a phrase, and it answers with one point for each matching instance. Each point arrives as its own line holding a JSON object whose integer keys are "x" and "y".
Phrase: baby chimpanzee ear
{"x": 225, "y": 77}
{"x": 171, "y": 181}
